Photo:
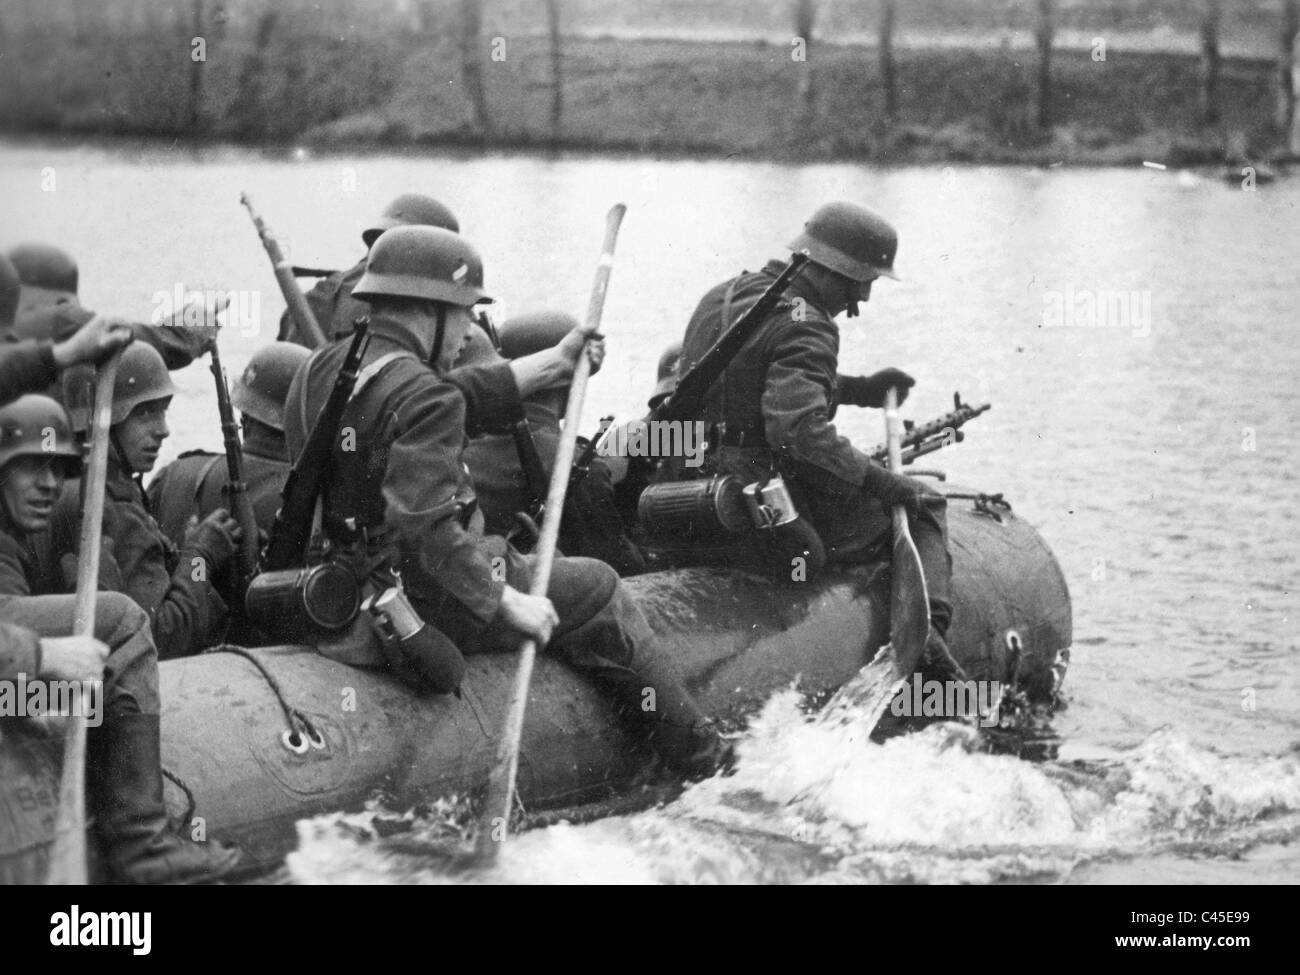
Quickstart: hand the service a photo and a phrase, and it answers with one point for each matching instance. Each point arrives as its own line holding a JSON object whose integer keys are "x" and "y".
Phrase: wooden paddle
{"x": 68, "y": 856}
{"x": 868, "y": 694}
{"x": 495, "y": 820}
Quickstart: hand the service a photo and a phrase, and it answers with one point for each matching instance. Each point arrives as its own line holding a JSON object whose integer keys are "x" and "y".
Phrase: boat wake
{"x": 813, "y": 800}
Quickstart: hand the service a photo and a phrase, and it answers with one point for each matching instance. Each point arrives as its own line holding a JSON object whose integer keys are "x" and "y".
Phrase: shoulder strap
{"x": 375, "y": 368}
{"x": 204, "y": 471}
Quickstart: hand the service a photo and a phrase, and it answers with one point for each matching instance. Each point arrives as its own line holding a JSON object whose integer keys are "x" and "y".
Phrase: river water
{"x": 1134, "y": 330}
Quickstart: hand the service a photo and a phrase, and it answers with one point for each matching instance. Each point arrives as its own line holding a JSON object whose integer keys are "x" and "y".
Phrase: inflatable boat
{"x": 255, "y": 739}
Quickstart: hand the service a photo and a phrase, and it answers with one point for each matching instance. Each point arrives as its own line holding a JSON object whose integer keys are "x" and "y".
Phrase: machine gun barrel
{"x": 926, "y": 438}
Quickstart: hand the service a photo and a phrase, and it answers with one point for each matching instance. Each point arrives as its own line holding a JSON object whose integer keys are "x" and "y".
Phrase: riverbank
{"x": 724, "y": 99}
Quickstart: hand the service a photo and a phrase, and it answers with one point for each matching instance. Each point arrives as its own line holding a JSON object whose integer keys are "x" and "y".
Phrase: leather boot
{"x": 132, "y": 816}
{"x": 681, "y": 735}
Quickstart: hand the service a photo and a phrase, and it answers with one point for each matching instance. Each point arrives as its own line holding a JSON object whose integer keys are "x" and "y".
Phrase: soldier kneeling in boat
{"x": 194, "y": 485}
{"x": 397, "y": 489}
{"x": 331, "y": 298}
{"x": 37, "y": 454}
{"x": 511, "y": 469}
{"x": 771, "y": 411}
{"x": 177, "y": 586}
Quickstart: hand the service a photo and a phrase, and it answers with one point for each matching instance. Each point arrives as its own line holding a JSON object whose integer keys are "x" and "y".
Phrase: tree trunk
{"x": 248, "y": 113}
{"x": 557, "y": 74}
{"x": 471, "y": 64}
{"x": 1046, "y": 28}
{"x": 805, "y": 12}
{"x": 196, "y": 70}
{"x": 1288, "y": 77}
{"x": 1211, "y": 66}
{"x": 888, "y": 78}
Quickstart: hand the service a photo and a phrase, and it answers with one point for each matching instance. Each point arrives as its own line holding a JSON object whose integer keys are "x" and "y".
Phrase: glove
{"x": 870, "y": 390}
{"x": 895, "y": 489}
{"x": 110, "y": 575}
{"x": 216, "y": 537}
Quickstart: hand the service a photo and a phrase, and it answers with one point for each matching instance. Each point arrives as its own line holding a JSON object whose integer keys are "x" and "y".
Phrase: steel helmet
{"x": 423, "y": 262}
{"x": 667, "y": 377}
{"x": 411, "y": 210}
{"x": 10, "y": 288}
{"x": 478, "y": 350}
{"x": 37, "y": 426}
{"x": 850, "y": 240}
{"x": 525, "y": 334}
{"x": 45, "y": 266}
{"x": 263, "y": 386}
{"x": 142, "y": 377}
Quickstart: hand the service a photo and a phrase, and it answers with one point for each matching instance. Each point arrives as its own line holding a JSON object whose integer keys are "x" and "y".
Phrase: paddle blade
{"x": 909, "y": 603}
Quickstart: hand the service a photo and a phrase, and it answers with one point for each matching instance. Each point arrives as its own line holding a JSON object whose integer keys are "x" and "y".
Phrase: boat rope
{"x": 301, "y": 729}
{"x": 191, "y": 804}
{"x": 985, "y": 504}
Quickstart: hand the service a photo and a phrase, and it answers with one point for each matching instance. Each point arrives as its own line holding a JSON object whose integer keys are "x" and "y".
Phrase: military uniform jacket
{"x": 777, "y": 396}
{"x": 26, "y": 367}
{"x": 331, "y": 301}
{"x": 55, "y": 323}
{"x": 396, "y": 475}
{"x": 500, "y": 484}
{"x": 185, "y": 610}
{"x": 195, "y": 484}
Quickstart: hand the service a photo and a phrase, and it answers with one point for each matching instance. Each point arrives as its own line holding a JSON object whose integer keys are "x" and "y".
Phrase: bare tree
{"x": 1046, "y": 29}
{"x": 805, "y": 12}
{"x": 557, "y": 75}
{"x": 888, "y": 77}
{"x": 1288, "y": 77}
{"x": 471, "y": 64}
{"x": 1211, "y": 64}
{"x": 196, "y": 69}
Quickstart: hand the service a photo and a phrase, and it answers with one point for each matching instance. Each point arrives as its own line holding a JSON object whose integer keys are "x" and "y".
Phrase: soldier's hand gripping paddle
{"x": 494, "y": 823}
{"x": 872, "y": 688}
{"x": 68, "y": 856}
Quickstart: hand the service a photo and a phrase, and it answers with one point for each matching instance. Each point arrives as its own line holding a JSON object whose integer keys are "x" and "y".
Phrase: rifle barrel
{"x": 241, "y": 505}
{"x": 299, "y": 310}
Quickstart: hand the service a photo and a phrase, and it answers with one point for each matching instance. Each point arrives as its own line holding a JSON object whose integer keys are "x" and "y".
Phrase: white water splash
{"x": 813, "y": 801}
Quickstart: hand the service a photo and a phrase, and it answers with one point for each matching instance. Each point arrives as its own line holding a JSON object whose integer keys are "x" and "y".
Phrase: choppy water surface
{"x": 1156, "y": 457}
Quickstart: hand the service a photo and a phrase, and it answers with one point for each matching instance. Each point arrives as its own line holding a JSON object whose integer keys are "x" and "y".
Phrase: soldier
{"x": 331, "y": 299}
{"x": 771, "y": 410}
{"x": 194, "y": 486}
{"x": 402, "y": 495}
{"x": 591, "y": 526}
{"x": 49, "y": 310}
{"x": 177, "y": 588}
{"x": 37, "y": 454}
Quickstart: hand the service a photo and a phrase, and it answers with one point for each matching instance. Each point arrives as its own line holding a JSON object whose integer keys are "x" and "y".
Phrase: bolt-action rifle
{"x": 291, "y": 530}
{"x": 236, "y": 491}
{"x": 296, "y": 301}
{"x": 926, "y": 438}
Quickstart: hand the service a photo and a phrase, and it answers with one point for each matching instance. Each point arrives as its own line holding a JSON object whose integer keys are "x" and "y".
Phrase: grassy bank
{"x": 280, "y": 86}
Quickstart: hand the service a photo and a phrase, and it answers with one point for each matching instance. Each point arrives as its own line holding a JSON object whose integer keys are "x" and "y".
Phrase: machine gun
{"x": 928, "y": 437}
{"x": 291, "y": 530}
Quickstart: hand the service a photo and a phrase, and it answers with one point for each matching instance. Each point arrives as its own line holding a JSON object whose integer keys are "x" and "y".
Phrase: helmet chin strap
{"x": 852, "y": 309}
{"x": 439, "y": 333}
